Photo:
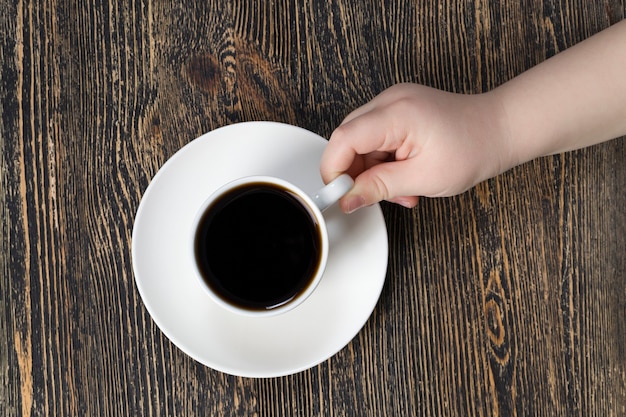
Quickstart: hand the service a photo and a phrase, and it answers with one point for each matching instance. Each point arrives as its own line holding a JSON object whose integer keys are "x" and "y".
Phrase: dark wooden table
{"x": 507, "y": 300}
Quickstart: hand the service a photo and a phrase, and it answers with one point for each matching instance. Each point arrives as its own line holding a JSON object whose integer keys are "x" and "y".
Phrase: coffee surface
{"x": 258, "y": 246}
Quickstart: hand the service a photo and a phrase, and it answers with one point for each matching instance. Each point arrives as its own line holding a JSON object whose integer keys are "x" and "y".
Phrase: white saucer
{"x": 225, "y": 341}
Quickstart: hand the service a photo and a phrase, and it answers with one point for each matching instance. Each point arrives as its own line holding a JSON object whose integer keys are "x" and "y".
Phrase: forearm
{"x": 575, "y": 99}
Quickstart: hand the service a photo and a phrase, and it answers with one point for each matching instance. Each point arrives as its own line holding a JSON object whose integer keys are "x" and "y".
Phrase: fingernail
{"x": 353, "y": 203}
{"x": 404, "y": 203}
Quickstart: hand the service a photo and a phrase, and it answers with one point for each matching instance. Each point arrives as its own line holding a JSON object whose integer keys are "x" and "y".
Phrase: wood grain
{"x": 508, "y": 300}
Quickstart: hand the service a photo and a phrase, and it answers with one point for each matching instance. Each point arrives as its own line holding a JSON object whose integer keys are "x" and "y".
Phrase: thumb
{"x": 387, "y": 181}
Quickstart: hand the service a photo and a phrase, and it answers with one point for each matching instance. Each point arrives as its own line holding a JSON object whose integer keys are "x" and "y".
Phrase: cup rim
{"x": 313, "y": 209}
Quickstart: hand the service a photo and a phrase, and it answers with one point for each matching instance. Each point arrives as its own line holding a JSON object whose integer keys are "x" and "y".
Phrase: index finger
{"x": 364, "y": 134}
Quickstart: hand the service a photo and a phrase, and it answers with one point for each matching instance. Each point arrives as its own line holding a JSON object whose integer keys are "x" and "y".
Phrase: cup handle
{"x": 333, "y": 191}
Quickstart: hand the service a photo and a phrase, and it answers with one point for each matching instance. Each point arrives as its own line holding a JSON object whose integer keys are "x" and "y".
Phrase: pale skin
{"x": 413, "y": 140}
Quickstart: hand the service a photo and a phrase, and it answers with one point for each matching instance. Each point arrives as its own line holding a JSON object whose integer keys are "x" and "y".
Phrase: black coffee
{"x": 257, "y": 246}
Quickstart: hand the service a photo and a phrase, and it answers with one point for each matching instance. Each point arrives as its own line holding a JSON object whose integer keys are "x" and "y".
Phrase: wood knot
{"x": 496, "y": 320}
{"x": 155, "y": 126}
{"x": 203, "y": 71}
{"x": 495, "y": 325}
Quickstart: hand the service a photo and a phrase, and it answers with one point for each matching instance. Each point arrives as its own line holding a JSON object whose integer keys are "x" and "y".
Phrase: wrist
{"x": 500, "y": 150}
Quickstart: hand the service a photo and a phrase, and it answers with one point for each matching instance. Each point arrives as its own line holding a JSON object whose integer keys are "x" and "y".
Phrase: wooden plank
{"x": 506, "y": 300}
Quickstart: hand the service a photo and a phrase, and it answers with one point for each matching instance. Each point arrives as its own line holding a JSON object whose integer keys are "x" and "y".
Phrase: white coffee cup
{"x": 260, "y": 244}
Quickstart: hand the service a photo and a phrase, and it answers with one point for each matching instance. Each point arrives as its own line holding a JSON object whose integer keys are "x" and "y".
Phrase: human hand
{"x": 412, "y": 141}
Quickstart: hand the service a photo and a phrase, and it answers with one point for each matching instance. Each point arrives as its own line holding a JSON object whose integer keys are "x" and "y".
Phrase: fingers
{"x": 352, "y": 203}
{"x": 364, "y": 146}
{"x": 408, "y": 202}
{"x": 390, "y": 181}
{"x": 367, "y": 134}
